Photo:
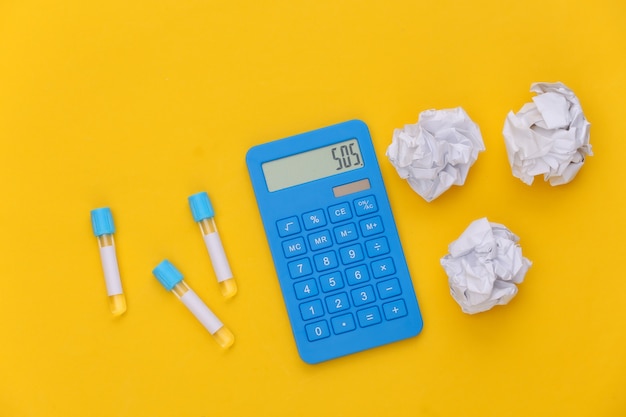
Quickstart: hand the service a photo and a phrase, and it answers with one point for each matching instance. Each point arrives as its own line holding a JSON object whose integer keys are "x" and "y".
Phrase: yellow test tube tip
{"x": 117, "y": 303}
{"x": 228, "y": 287}
{"x": 224, "y": 337}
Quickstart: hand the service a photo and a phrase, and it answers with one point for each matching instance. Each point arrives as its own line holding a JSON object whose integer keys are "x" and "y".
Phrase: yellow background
{"x": 138, "y": 104}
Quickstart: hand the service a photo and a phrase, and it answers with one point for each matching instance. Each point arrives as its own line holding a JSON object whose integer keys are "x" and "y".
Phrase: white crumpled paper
{"x": 549, "y": 136}
{"x": 436, "y": 152}
{"x": 483, "y": 266}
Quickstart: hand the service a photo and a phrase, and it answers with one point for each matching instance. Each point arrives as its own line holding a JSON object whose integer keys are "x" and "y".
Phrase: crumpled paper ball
{"x": 549, "y": 136}
{"x": 436, "y": 152}
{"x": 484, "y": 265}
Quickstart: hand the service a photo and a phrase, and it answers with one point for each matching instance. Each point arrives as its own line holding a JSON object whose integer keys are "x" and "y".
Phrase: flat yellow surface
{"x": 137, "y": 104}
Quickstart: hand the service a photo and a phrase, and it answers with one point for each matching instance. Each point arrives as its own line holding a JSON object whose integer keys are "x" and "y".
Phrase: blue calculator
{"x": 334, "y": 242}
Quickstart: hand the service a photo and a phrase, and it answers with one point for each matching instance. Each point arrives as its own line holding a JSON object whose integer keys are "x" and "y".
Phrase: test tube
{"x": 203, "y": 214}
{"x": 172, "y": 280}
{"x": 103, "y": 228}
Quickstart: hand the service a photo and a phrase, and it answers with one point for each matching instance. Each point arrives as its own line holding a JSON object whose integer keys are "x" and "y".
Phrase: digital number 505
{"x": 346, "y": 156}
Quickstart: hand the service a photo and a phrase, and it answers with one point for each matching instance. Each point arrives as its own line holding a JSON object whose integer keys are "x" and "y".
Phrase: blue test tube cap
{"x": 167, "y": 274}
{"x": 201, "y": 207}
{"x": 102, "y": 221}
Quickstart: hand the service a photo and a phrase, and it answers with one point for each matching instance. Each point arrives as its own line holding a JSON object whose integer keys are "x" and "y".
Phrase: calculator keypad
{"x": 342, "y": 268}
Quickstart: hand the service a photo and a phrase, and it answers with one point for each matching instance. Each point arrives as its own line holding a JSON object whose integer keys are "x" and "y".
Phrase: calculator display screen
{"x": 313, "y": 165}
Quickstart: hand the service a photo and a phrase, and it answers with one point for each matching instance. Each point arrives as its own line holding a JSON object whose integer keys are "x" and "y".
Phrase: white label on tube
{"x": 111, "y": 270}
{"x": 218, "y": 257}
{"x": 201, "y": 311}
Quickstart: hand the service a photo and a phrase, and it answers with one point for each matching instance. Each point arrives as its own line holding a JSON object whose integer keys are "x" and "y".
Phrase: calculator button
{"x": 317, "y": 331}
{"x": 325, "y": 261}
{"x": 300, "y": 268}
{"x": 377, "y": 247}
{"x": 320, "y": 240}
{"x": 395, "y": 309}
{"x": 363, "y": 295}
{"x": 311, "y": 310}
{"x": 339, "y": 212}
{"x": 337, "y": 302}
{"x": 357, "y": 275}
{"x": 372, "y": 226}
{"x": 294, "y": 247}
{"x": 389, "y": 288}
{"x": 365, "y": 205}
{"x": 314, "y": 219}
{"x": 287, "y": 227}
{"x": 305, "y": 289}
{"x": 342, "y": 324}
{"x": 331, "y": 282}
{"x": 369, "y": 316}
{"x": 346, "y": 233}
{"x": 383, "y": 268}
{"x": 351, "y": 254}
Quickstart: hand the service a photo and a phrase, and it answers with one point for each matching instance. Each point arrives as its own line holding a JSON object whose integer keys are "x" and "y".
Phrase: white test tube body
{"x": 113, "y": 282}
{"x": 172, "y": 280}
{"x": 209, "y": 320}
{"x": 213, "y": 243}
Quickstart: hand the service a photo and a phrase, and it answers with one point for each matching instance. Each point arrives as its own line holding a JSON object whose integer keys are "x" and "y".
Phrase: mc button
{"x": 294, "y": 247}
